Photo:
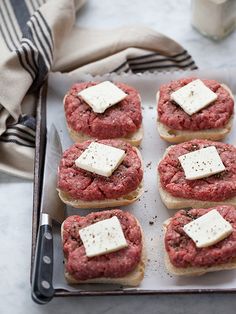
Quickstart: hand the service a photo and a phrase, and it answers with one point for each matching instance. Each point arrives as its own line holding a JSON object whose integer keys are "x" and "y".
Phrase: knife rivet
{"x": 48, "y": 236}
{"x": 47, "y": 259}
{"x": 45, "y": 284}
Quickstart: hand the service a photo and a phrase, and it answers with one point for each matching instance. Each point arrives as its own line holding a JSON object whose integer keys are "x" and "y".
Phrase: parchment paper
{"x": 149, "y": 209}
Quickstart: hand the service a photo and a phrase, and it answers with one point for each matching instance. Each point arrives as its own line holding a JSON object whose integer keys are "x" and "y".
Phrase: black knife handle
{"x": 42, "y": 288}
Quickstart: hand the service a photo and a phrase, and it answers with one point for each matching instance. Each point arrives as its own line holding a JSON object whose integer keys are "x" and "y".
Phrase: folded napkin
{"x": 38, "y": 36}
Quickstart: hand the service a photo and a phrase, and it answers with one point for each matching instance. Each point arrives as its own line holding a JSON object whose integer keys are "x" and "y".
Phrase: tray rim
{"x": 40, "y": 144}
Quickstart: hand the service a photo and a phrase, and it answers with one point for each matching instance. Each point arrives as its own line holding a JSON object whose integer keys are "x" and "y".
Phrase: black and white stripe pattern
{"x": 21, "y": 133}
{"x": 29, "y": 36}
{"x": 9, "y": 26}
{"x": 42, "y": 38}
{"x": 157, "y": 62}
{"x": 33, "y": 5}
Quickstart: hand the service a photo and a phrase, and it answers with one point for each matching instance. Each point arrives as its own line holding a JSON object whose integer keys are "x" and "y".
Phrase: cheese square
{"x": 102, "y": 96}
{"x": 193, "y": 97}
{"x": 103, "y": 237}
{"x": 100, "y": 159}
{"x": 208, "y": 229}
{"x": 201, "y": 163}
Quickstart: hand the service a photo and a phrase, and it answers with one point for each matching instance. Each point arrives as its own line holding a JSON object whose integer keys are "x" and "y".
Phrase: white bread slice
{"x": 194, "y": 271}
{"x": 132, "y": 279}
{"x": 134, "y": 138}
{"x": 179, "y": 136}
{"x": 121, "y": 201}
{"x": 197, "y": 271}
{"x": 173, "y": 202}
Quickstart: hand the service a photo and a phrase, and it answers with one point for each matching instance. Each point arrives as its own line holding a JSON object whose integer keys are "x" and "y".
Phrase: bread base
{"x": 121, "y": 201}
{"x": 194, "y": 271}
{"x": 172, "y": 202}
{"x": 133, "y": 139}
{"x": 132, "y": 279}
{"x": 179, "y": 136}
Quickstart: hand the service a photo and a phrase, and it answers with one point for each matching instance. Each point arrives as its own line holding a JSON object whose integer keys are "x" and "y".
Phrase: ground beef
{"x": 115, "y": 264}
{"x": 84, "y": 185}
{"x": 120, "y": 120}
{"x": 216, "y": 115}
{"x": 218, "y": 187}
{"x": 182, "y": 250}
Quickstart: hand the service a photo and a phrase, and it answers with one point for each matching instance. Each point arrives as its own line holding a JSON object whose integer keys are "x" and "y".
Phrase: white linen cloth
{"x": 38, "y": 36}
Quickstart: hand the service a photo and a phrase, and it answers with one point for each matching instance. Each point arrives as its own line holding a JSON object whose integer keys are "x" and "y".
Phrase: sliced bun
{"x": 132, "y": 279}
{"x": 121, "y": 201}
{"x": 194, "y": 271}
{"x": 173, "y": 202}
{"x": 179, "y": 136}
{"x": 133, "y": 139}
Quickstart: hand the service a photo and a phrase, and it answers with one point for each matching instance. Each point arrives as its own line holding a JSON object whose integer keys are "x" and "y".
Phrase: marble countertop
{"x": 173, "y": 19}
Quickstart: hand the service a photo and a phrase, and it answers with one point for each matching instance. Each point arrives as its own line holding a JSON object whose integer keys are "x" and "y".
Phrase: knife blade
{"x": 51, "y": 208}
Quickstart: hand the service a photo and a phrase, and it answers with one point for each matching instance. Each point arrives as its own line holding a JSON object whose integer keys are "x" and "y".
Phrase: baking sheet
{"x": 149, "y": 209}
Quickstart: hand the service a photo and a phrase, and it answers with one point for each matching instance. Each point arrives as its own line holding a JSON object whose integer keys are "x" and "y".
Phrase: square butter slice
{"x": 208, "y": 229}
{"x": 102, "y": 96}
{"x": 201, "y": 163}
{"x": 100, "y": 159}
{"x": 194, "y": 97}
{"x": 103, "y": 237}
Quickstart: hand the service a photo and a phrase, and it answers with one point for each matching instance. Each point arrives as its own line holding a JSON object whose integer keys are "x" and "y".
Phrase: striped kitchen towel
{"x": 38, "y": 36}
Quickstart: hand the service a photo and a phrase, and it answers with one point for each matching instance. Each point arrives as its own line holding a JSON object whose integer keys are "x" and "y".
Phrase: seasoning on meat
{"x": 208, "y": 229}
{"x": 183, "y": 252}
{"x": 102, "y": 96}
{"x": 201, "y": 163}
{"x": 215, "y": 115}
{"x": 112, "y": 265}
{"x": 218, "y": 187}
{"x": 193, "y": 97}
{"x": 120, "y": 120}
{"x": 103, "y": 237}
{"x": 100, "y": 159}
{"x": 83, "y": 185}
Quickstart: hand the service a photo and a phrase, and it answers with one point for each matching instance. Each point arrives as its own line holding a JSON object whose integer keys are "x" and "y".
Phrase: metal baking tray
{"x": 149, "y": 209}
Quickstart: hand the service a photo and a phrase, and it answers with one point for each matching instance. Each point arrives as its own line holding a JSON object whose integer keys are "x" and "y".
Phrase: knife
{"x": 51, "y": 208}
